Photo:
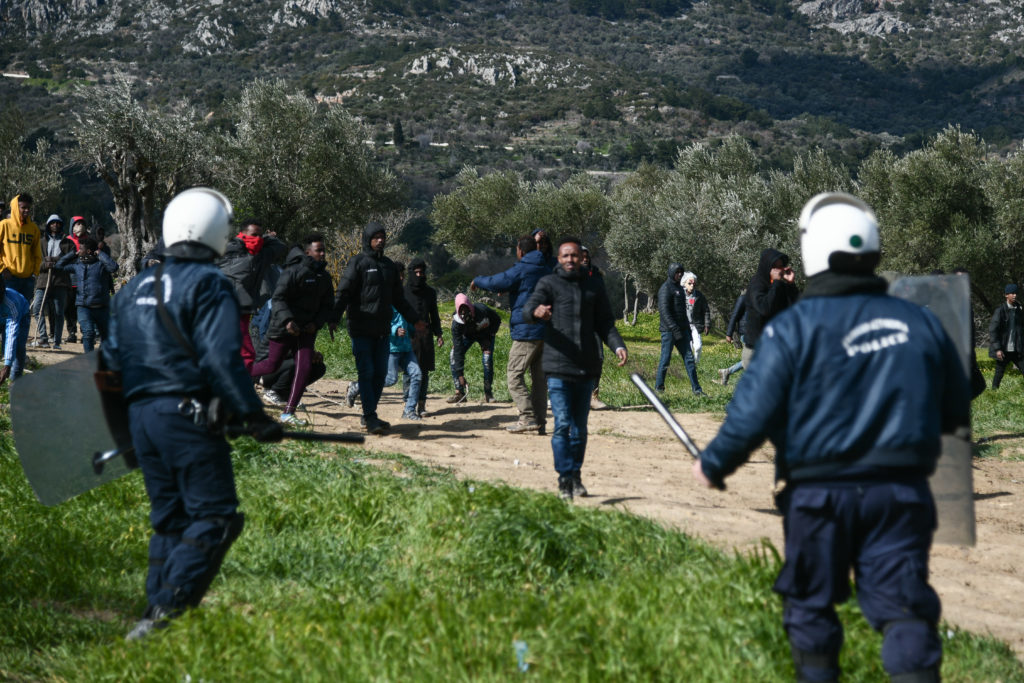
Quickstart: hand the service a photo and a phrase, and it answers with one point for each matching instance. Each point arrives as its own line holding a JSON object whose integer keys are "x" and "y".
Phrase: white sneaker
{"x": 273, "y": 398}
{"x": 290, "y": 419}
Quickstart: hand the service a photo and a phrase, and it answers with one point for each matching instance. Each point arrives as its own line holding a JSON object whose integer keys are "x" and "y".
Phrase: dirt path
{"x": 635, "y": 464}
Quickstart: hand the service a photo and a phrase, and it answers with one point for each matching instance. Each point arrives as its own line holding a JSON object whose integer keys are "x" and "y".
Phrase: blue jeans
{"x": 405, "y": 361}
{"x": 570, "y": 406}
{"x": 93, "y": 321}
{"x": 371, "y": 354}
{"x": 683, "y": 347}
{"x": 20, "y": 344}
{"x": 883, "y": 529}
{"x": 22, "y": 285}
{"x": 53, "y": 308}
{"x": 486, "y": 357}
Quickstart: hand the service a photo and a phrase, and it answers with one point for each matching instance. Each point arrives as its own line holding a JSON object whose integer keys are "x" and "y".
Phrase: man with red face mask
{"x": 246, "y": 260}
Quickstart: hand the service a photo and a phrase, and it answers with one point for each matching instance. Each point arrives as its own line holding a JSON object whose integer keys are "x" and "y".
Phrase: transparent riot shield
{"x": 949, "y": 298}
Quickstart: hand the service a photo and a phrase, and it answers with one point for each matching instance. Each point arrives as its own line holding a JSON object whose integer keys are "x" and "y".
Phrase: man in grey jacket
{"x": 577, "y": 312}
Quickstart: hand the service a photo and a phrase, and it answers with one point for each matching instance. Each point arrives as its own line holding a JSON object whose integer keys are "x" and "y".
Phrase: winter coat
{"x": 847, "y": 382}
{"x": 1000, "y": 329}
{"x": 765, "y": 298}
{"x": 519, "y": 281}
{"x": 303, "y": 295}
{"x": 423, "y": 300}
{"x": 738, "y": 320}
{"x": 93, "y": 278}
{"x": 672, "y": 307}
{"x": 247, "y": 272}
{"x": 699, "y": 311}
{"x": 22, "y": 251}
{"x": 54, "y": 247}
{"x": 581, "y": 316}
{"x": 368, "y": 289}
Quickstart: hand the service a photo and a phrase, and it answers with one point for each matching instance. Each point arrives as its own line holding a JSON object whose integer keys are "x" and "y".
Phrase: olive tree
{"x": 300, "y": 166}
{"x": 35, "y": 170}
{"x": 144, "y": 154}
{"x": 490, "y": 212}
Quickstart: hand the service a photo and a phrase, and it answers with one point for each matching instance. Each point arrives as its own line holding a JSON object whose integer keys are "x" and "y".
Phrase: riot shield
{"x": 949, "y": 298}
{"x": 59, "y": 422}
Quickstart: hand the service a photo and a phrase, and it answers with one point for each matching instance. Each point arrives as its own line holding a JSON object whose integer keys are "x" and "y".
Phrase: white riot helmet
{"x": 200, "y": 216}
{"x": 839, "y": 232}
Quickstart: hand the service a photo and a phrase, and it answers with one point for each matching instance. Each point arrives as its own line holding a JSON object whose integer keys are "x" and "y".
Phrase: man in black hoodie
{"x": 675, "y": 329}
{"x": 367, "y": 291}
{"x": 771, "y": 290}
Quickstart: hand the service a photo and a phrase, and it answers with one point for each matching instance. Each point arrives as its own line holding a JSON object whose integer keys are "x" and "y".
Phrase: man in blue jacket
{"x": 175, "y": 339}
{"x": 527, "y": 351}
{"x": 854, "y": 388}
{"x": 16, "y": 314}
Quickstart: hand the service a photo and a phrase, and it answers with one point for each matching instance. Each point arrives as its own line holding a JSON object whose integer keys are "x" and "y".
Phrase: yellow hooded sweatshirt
{"x": 21, "y": 244}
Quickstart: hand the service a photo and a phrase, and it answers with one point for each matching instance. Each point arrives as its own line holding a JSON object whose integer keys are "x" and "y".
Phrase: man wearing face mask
{"x": 675, "y": 329}
{"x": 248, "y": 256}
{"x": 78, "y": 233}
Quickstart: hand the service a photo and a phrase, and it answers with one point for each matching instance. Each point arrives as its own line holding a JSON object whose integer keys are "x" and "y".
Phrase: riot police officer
{"x": 174, "y": 337}
{"x": 854, "y": 388}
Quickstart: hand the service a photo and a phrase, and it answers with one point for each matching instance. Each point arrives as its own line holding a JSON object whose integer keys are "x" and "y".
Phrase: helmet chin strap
{"x": 191, "y": 251}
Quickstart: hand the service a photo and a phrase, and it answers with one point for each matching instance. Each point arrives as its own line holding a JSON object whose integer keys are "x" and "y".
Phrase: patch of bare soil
{"x": 635, "y": 464}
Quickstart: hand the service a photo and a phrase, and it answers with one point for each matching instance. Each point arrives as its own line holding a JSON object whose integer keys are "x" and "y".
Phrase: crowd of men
{"x": 854, "y": 469}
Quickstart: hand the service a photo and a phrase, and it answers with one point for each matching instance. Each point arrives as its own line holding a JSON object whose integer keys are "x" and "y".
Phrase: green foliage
{"x": 714, "y": 213}
{"x": 33, "y": 169}
{"x": 301, "y": 166}
{"x": 492, "y": 211}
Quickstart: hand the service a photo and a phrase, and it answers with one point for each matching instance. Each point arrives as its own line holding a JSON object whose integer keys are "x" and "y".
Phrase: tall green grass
{"x": 355, "y": 566}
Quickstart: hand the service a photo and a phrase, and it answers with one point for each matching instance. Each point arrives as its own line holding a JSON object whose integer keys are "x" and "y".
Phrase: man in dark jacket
{"x": 674, "y": 325}
{"x": 578, "y": 316}
{"x": 303, "y": 303}
{"x": 51, "y": 285}
{"x": 423, "y": 299}
{"x": 1006, "y": 335}
{"x": 527, "y": 340}
{"x": 248, "y": 256}
{"x": 169, "y": 376}
{"x": 771, "y": 291}
{"x": 854, "y": 451}
{"x": 367, "y": 291}
{"x": 472, "y": 324}
{"x": 93, "y": 269}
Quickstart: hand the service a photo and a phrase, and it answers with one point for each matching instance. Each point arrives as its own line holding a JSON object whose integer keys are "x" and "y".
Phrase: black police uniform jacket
{"x": 202, "y": 304}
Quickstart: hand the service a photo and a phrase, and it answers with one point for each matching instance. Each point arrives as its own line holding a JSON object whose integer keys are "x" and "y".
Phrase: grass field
{"x": 364, "y": 567}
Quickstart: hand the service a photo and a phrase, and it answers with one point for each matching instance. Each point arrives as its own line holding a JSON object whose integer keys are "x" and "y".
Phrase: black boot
{"x": 565, "y": 487}
{"x": 578, "y": 489}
